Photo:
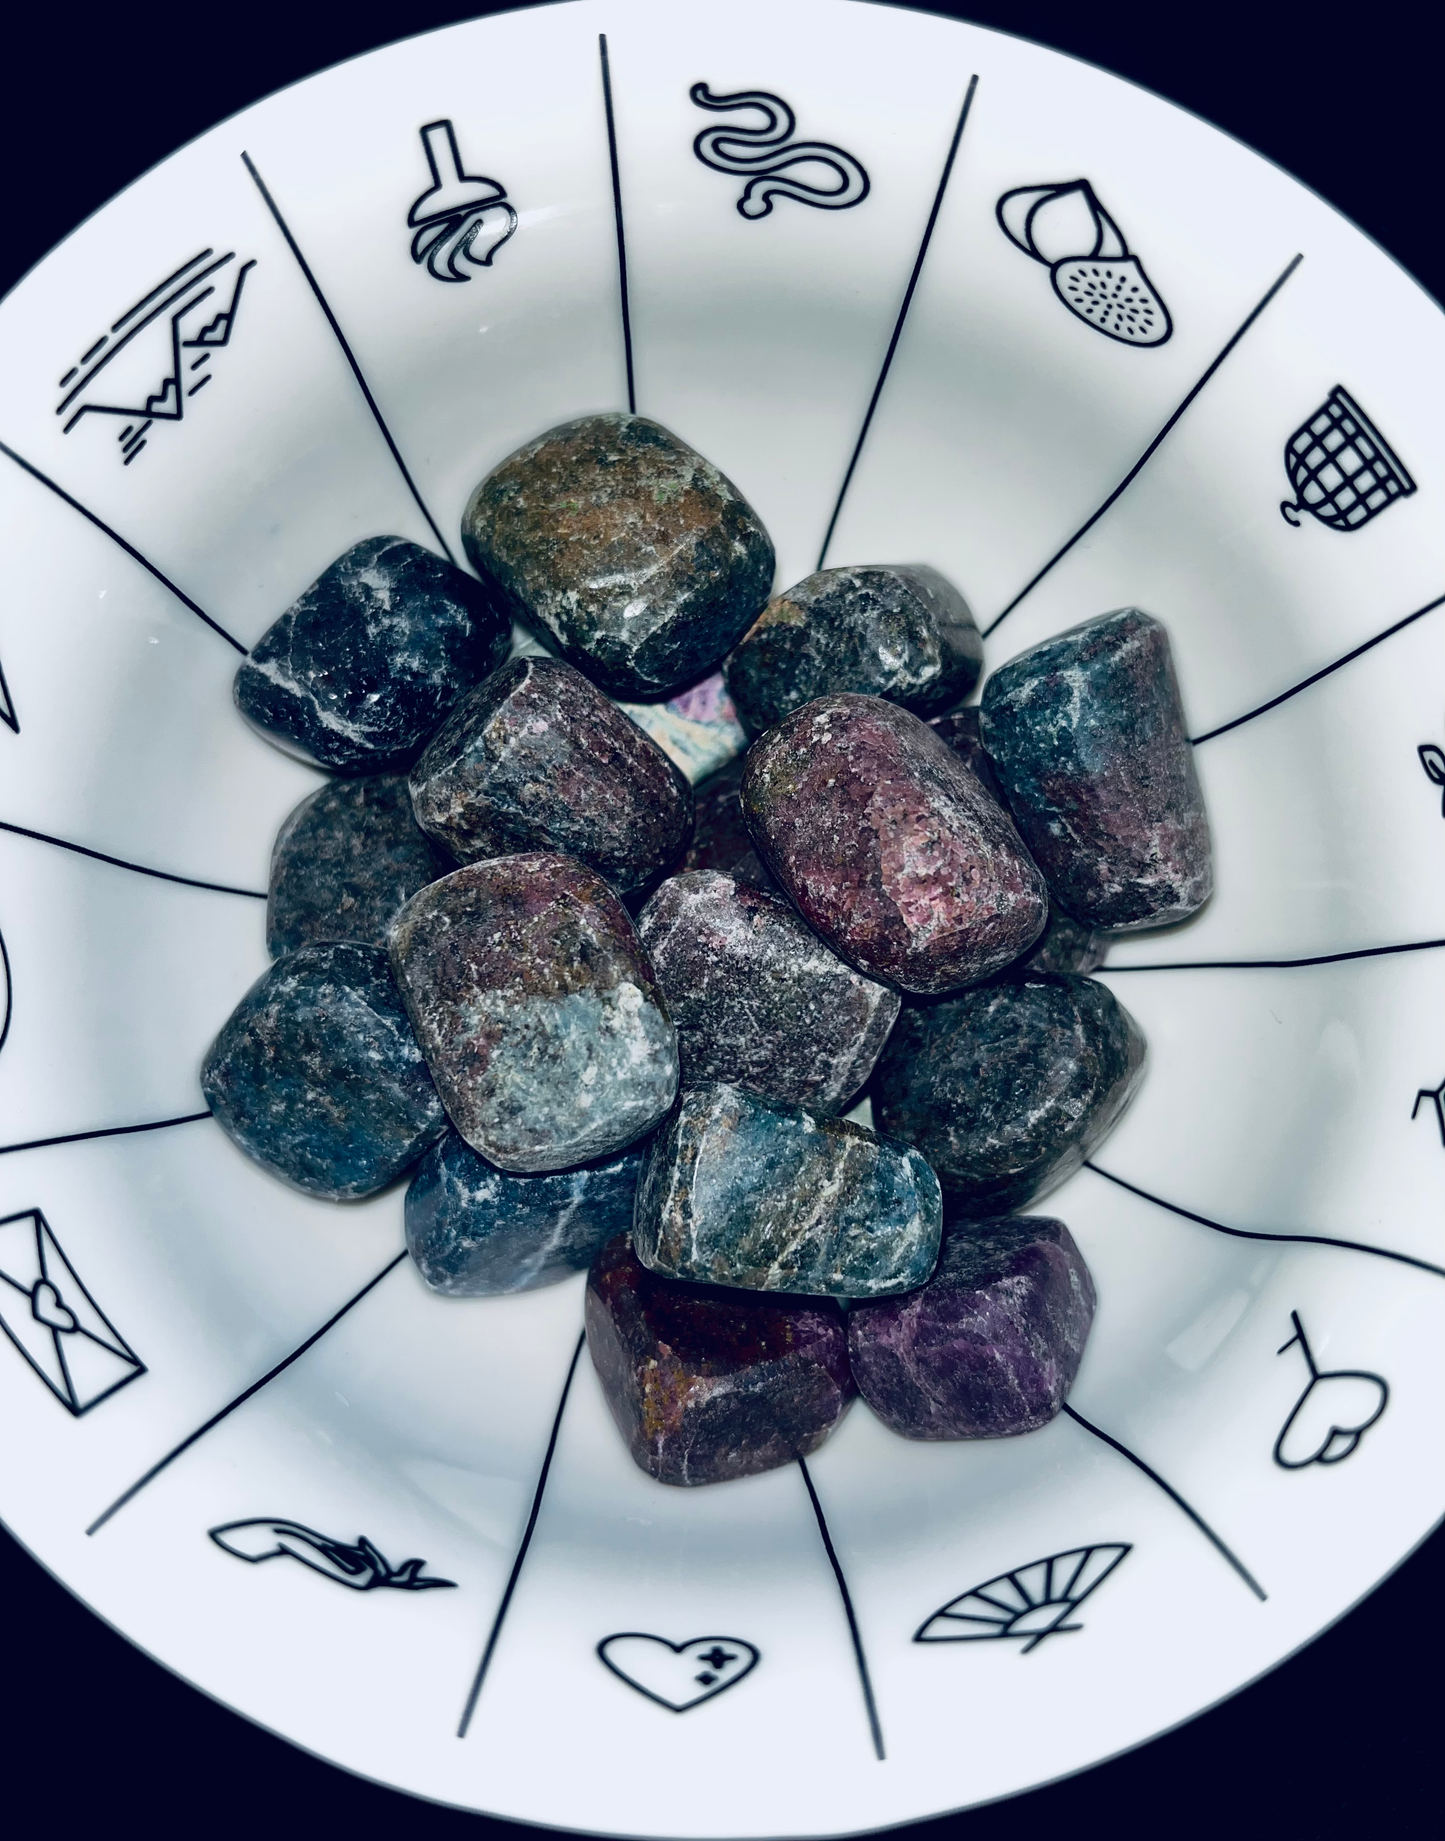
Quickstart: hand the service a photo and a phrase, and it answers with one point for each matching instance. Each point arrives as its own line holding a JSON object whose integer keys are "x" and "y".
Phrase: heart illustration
{"x": 47, "y": 1308}
{"x": 1332, "y": 1415}
{"x": 677, "y": 1675}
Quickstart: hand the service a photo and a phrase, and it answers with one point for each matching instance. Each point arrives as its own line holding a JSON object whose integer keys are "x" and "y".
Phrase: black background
{"x": 1345, "y": 1738}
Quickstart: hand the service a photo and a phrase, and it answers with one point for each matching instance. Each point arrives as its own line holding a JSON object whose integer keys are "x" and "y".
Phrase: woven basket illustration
{"x": 1342, "y": 469}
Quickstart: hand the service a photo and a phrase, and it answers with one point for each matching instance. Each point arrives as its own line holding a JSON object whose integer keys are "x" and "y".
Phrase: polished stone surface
{"x": 476, "y": 1231}
{"x": 1007, "y": 1088}
{"x": 901, "y": 632}
{"x": 756, "y": 996}
{"x": 626, "y": 549}
{"x": 537, "y": 1011}
{"x": 1087, "y": 737}
{"x": 960, "y": 729}
{"x": 317, "y": 1075}
{"x": 536, "y": 758}
{"x": 720, "y": 837}
{"x": 359, "y": 670}
{"x": 739, "y": 1190}
{"x": 705, "y": 1384}
{"x": 889, "y": 846}
{"x": 990, "y": 1346}
{"x": 345, "y": 862}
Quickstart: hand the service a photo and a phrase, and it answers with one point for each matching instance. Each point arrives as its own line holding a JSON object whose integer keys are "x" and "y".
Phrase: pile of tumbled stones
{"x": 607, "y": 1024}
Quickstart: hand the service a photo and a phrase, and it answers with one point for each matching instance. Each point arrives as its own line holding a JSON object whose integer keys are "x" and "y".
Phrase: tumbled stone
{"x": 536, "y": 758}
{"x": 904, "y": 633}
{"x": 345, "y": 862}
{"x": 739, "y": 1190}
{"x": 537, "y": 1011}
{"x": 317, "y": 1075}
{"x": 720, "y": 837}
{"x": 1087, "y": 737}
{"x": 631, "y": 553}
{"x": 756, "y": 996}
{"x": 1007, "y": 1089}
{"x": 989, "y": 1347}
{"x": 889, "y": 846}
{"x": 356, "y": 674}
{"x": 475, "y": 1231}
{"x": 707, "y": 1384}
{"x": 960, "y": 729}
{"x": 1065, "y": 945}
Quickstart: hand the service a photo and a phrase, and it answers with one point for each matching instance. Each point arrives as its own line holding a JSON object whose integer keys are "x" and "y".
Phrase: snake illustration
{"x": 766, "y": 153}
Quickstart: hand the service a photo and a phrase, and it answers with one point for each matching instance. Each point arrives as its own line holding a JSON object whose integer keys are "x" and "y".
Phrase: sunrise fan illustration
{"x": 1028, "y": 1604}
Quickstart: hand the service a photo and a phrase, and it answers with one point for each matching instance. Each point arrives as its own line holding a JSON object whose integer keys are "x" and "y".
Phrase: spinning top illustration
{"x": 1332, "y": 1415}
{"x": 461, "y": 217}
{"x": 1066, "y": 228}
{"x": 1342, "y": 469}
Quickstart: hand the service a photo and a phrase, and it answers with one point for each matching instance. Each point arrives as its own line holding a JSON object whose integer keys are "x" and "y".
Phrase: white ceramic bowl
{"x": 1254, "y": 1438}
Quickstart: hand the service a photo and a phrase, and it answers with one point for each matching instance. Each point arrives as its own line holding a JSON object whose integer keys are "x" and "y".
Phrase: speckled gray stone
{"x": 757, "y": 997}
{"x": 1008, "y": 1088}
{"x": 536, "y": 758}
{"x": 901, "y": 632}
{"x": 537, "y": 1011}
{"x": 741, "y": 1191}
{"x": 707, "y": 1385}
{"x": 345, "y": 862}
{"x": 476, "y": 1231}
{"x": 990, "y": 1346}
{"x": 358, "y": 671}
{"x": 625, "y": 549}
{"x": 317, "y": 1074}
{"x": 1087, "y": 738}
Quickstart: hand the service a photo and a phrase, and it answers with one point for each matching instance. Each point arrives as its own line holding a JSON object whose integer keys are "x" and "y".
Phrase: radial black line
{"x": 617, "y": 216}
{"x": 1246, "y": 1233}
{"x": 504, "y": 1606}
{"x": 347, "y": 353}
{"x": 1324, "y": 672}
{"x": 139, "y": 869}
{"x": 1178, "y": 1501}
{"x": 104, "y": 1131}
{"x": 1149, "y": 452}
{"x": 241, "y": 1398}
{"x": 908, "y": 293}
{"x": 7, "y": 705}
{"x": 859, "y": 1657}
{"x": 1276, "y": 965}
{"x": 129, "y": 548}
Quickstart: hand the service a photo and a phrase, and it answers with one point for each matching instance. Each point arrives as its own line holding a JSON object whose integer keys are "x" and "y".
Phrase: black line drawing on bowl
{"x": 1432, "y": 759}
{"x": 1065, "y": 227}
{"x": 767, "y": 156}
{"x": 1226, "y": 1553}
{"x": 1149, "y": 452}
{"x": 1246, "y": 1233}
{"x": 102, "y": 1131}
{"x": 1028, "y": 1604}
{"x": 1278, "y": 965}
{"x": 1325, "y": 671}
{"x": 346, "y": 351}
{"x": 519, "y": 1558}
{"x": 360, "y": 1565}
{"x": 1341, "y": 468}
{"x": 140, "y": 869}
{"x": 7, "y": 705}
{"x": 606, "y": 67}
{"x": 208, "y": 1425}
{"x": 864, "y": 1679}
{"x": 116, "y": 538}
{"x": 1436, "y": 1097}
{"x": 906, "y": 303}
{"x": 459, "y": 214}
{"x": 1313, "y": 1433}
{"x": 53, "y": 1321}
{"x": 164, "y": 345}
{"x": 678, "y": 1676}
{"x": 6, "y": 993}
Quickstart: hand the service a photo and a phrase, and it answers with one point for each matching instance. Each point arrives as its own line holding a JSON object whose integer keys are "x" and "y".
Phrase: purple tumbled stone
{"x": 989, "y": 1347}
{"x": 720, "y": 836}
{"x": 708, "y": 1384}
{"x": 889, "y": 846}
{"x": 537, "y": 1011}
{"x": 1086, "y": 734}
{"x": 536, "y": 758}
{"x": 960, "y": 729}
{"x": 757, "y": 997}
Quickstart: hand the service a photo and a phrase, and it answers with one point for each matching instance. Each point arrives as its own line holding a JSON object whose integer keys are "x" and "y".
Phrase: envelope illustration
{"x": 54, "y": 1322}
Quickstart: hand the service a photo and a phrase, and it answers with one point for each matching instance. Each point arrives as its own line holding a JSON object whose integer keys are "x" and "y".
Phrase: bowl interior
{"x": 165, "y": 495}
